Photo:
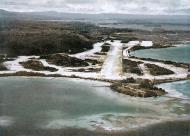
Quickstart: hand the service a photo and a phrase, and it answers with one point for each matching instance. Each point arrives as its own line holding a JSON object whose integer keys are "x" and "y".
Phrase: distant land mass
{"x": 97, "y": 18}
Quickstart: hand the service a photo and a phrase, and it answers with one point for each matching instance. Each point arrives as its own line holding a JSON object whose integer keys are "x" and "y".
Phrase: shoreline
{"x": 94, "y": 76}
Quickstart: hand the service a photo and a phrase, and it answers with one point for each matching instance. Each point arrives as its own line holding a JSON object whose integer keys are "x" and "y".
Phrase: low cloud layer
{"x": 100, "y": 6}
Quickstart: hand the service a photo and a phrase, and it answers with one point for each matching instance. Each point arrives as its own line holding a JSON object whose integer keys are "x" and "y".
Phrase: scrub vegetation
{"x": 131, "y": 67}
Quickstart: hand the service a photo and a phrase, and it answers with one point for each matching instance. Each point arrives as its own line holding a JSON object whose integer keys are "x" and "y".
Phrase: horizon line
{"x": 98, "y": 13}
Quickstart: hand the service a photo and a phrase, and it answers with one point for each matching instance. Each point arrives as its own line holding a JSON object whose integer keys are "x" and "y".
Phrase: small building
{"x": 146, "y": 43}
{"x": 133, "y": 43}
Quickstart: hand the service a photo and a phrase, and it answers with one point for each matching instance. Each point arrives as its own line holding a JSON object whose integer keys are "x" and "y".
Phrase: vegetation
{"x": 93, "y": 61}
{"x": 36, "y": 38}
{"x": 45, "y": 43}
{"x": 29, "y": 74}
{"x": 177, "y": 64}
{"x": 87, "y": 70}
{"x": 131, "y": 67}
{"x": 154, "y": 47}
{"x": 22, "y": 73}
{"x": 129, "y": 80}
{"x": 128, "y": 39}
{"x": 134, "y": 48}
{"x": 143, "y": 89}
{"x": 105, "y": 47}
{"x": 146, "y": 84}
{"x": 100, "y": 53}
{"x": 37, "y": 66}
{"x": 125, "y": 36}
{"x": 156, "y": 70}
{"x": 65, "y": 60}
{"x": 2, "y": 66}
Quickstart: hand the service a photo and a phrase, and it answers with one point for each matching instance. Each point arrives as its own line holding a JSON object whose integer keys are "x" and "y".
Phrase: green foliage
{"x": 146, "y": 84}
{"x": 156, "y": 70}
{"x": 2, "y": 67}
{"x": 37, "y": 66}
{"x": 129, "y": 80}
{"x": 131, "y": 67}
{"x": 45, "y": 43}
{"x": 105, "y": 48}
{"x": 65, "y": 60}
{"x": 34, "y": 38}
{"x": 128, "y": 39}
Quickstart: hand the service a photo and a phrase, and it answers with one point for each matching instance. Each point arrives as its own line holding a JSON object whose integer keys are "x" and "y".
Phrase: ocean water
{"x": 177, "y": 54}
{"x": 180, "y": 89}
{"x": 180, "y": 94}
{"x": 45, "y": 106}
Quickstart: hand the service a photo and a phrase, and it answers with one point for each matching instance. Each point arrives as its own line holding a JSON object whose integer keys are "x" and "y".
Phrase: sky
{"x": 100, "y": 6}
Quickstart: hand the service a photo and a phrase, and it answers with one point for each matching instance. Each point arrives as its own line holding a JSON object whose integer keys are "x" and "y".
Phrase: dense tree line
{"x": 45, "y": 43}
{"x": 36, "y": 38}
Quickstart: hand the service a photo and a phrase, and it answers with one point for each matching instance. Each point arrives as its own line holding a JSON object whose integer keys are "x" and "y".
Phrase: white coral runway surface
{"x": 112, "y": 67}
{"x": 97, "y": 47}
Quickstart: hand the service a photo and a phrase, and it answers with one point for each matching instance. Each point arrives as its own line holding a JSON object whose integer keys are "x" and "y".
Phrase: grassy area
{"x": 37, "y": 66}
{"x": 131, "y": 67}
{"x": 156, "y": 70}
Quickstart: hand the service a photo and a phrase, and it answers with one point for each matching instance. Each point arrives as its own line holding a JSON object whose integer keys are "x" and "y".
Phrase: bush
{"x": 65, "y": 60}
{"x": 2, "y": 67}
{"x": 131, "y": 80}
{"x": 156, "y": 70}
{"x": 128, "y": 39}
{"x": 37, "y": 66}
{"x": 131, "y": 67}
{"x": 105, "y": 48}
{"x": 146, "y": 84}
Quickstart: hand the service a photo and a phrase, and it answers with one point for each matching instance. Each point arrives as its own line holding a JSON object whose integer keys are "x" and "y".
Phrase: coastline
{"x": 102, "y": 75}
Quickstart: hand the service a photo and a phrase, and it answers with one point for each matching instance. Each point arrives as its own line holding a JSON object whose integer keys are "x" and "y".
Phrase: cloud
{"x": 100, "y": 6}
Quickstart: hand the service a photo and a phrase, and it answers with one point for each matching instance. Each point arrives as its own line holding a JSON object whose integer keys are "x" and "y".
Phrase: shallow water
{"x": 55, "y": 104}
{"x": 180, "y": 91}
{"x": 177, "y": 54}
{"x": 181, "y": 87}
